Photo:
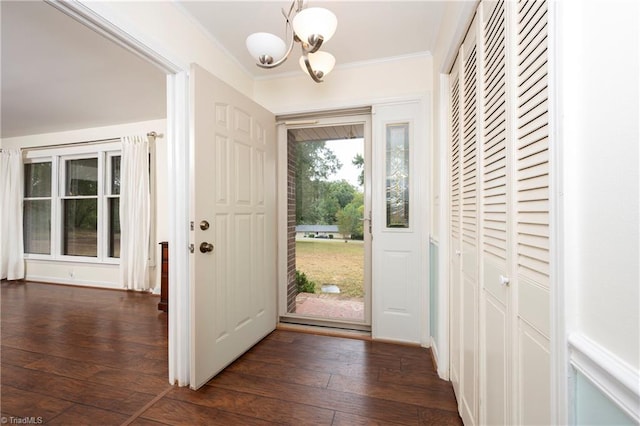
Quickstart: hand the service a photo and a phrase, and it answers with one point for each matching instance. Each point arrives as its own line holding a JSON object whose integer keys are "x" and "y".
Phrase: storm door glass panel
{"x": 80, "y": 208}
{"x": 326, "y": 243}
{"x": 397, "y": 178}
{"x": 37, "y": 208}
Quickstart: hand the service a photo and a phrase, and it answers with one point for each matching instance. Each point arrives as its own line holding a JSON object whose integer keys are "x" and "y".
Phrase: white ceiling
{"x": 58, "y": 75}
{"x": 367, "y": 30}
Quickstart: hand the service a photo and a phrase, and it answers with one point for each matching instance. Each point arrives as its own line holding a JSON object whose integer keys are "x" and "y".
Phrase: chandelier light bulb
{"x": 266, "y": 47}
{"x": 313, "y": 22}
{"x": 321, "y": 63}
{"x": 311, "y": 28}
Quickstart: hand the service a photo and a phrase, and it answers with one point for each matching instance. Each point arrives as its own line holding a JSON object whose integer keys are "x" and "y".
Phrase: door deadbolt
{"x": 204, "y": 225}
{"x": 206, "y": 247}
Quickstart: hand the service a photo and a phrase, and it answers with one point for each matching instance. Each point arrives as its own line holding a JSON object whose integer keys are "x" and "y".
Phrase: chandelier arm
{"x": 286, "y": 55}
{"x": 312, "y": 73}
{"x": 313, "y": 48}
{"x": 311, "y": 45}
{"x": 296, "y": 5}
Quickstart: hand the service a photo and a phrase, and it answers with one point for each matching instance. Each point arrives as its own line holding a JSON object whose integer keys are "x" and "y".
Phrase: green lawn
{"x": 333, "y": 262}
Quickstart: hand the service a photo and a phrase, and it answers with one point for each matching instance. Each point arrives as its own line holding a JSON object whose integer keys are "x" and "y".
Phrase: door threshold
{"x": 324, "y": 330}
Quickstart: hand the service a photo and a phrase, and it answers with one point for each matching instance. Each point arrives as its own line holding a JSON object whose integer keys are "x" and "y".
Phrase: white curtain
{"x": 11, "y": 239}
{"x": 134, "y": 213}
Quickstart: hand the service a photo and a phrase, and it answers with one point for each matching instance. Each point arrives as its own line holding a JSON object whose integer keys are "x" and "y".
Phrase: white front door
{"x": 400, "y": 215}
{"x": 233, "y": 214}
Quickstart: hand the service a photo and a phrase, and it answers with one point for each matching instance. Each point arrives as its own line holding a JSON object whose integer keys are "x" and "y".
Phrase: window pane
{"x": 115, "y": 175}
{"x": 114, "y": 227}
{"x": 82, "y": 177}
{"x": 398, "y": 176}
{"x": 37, "y": 226}
{"x": 80, "y": 232}
{"x": 37, "y": 180}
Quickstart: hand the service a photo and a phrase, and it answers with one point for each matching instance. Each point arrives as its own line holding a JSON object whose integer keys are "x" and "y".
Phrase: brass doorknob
{"x": 206, "y": 247}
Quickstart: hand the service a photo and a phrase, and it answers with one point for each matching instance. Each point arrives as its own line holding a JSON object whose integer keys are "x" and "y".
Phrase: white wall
{"x": 163, "y": 26}
{"x": 598, "y": 136}
{"x": 347, "y": 86}
{"x": 93, "y": 274}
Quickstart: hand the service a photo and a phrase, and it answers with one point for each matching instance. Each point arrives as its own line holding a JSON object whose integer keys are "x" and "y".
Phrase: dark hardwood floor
{"x": 73, "y": 356}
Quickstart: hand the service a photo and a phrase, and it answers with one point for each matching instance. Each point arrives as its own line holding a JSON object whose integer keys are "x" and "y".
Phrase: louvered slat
{"x": 494, "y": 150}
{"x": 470, "y": 161}
{"x": 532, "y": 157}
{"x": 455, "y": 158}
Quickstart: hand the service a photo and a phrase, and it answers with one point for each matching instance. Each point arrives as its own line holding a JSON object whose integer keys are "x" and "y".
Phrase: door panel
{"x": 531, "y": 200}
{"x": 495, "y": 362}
{"x": 454, "y": 255}
{"x": 469, "y": 184}
{"x": 233, "y": 287}
{"x": 533, "y": 406}
{"x": 399, "y": 252}
{"x": 495, "y": 344}
{"x": 469, "y": 378}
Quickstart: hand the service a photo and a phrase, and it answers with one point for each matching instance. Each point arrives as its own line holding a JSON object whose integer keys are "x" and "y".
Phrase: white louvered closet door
{"x": 454, "y": 226}
{"x": 495, "y": 295}
{"x": 500, "y": 310}
{"x": 469, "y": 380}
{"x": 532, "y": 214}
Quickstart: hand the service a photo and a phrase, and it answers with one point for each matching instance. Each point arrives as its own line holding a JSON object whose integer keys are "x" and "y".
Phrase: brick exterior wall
{"x": 292, "y": 290}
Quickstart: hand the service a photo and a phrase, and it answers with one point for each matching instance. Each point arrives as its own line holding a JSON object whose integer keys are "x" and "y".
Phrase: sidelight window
{"x": 397, "y": 178}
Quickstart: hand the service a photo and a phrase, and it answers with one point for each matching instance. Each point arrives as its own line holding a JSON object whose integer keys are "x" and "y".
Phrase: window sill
{"x": 72, "y": 259}
{"x": 78, "y": 259}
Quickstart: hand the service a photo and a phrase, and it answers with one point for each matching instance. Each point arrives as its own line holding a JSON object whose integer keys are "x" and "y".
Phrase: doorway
{"x": 328, "y": 233}
{"x": 120, "y": 31}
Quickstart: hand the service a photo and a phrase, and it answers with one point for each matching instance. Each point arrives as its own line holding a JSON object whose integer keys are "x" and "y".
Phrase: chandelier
{"x": 311, "y": 27}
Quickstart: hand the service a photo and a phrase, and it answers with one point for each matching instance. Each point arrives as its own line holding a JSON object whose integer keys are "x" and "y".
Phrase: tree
{"x": 314, "y": 164}
{"x": 349, "y": 221}
{"x": 358, "y": 161}
{"x": 342, "y": 191}
{"x": 328, "y": 208}
{"x": 350, "y": 218}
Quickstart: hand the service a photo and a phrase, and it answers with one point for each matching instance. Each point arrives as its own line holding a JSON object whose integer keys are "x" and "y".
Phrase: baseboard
{"x": 444, "y": 375}
{"x": 434, "y": 354}
{"x": 612, "y": 376}
{"x": 72, "y": 282}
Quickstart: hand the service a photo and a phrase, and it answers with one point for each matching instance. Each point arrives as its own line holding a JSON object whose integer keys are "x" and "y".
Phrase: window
{"x": 397, "y": 169}
{"x": 72, "y": 202}
{"x": 80, "y": 207}
{"x": 37, "y": 208}
{"x": 113, "y": 206}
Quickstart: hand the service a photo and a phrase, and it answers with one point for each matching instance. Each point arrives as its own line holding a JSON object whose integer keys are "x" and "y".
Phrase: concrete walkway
{"x": 329, "y": 306}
